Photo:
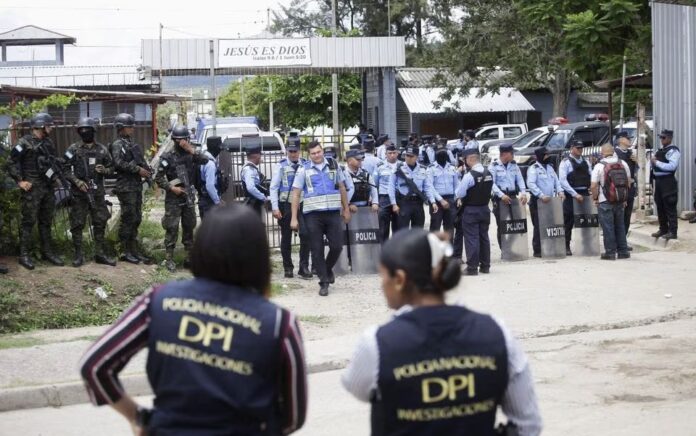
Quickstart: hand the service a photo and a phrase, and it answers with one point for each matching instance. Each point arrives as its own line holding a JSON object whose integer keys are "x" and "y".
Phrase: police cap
{"x": 506, "y": 148}
{"x": 392, "y": 147}
{"x": 469, "y": 152}
{"x": 427, "y": 138}
{"x": 666, "y": 133}
{"x": 470, "y": 134}
{"x": 252, "y": 150}
{"x": 354, "y": 154}
{"x": 404, "y": 142}
{"x": 577, "y": 144}
{"x": 412, "y": 150}
{"x": 622, "y": 134}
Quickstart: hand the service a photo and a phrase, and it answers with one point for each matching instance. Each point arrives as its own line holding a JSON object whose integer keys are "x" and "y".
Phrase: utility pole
{"x": 334, "y": 86}
{"x": 388, "y": 17}
{"x": 243, "y": 105}
{"x": 623, "y": 92}
{"x": 213, "y": 92}
{"x": 270, "y": 83}
{"x": 160, "y": 54}
{"x": 641, "y": 161}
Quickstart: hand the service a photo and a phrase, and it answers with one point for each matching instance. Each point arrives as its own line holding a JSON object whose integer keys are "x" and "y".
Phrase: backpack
{"x": 615, "y": 182}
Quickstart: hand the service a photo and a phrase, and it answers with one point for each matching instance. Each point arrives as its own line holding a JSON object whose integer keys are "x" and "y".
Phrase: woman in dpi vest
{"x": 437, "y": 369}
{"x": 222, "y": 359}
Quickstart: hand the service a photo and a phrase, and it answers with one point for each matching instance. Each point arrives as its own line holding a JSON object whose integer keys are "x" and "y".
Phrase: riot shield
{"x": 227, "y": 168}
{"x": 363, "y": 241}
{"x": 513, "y": 231}
{"x": 585, "y": 228}
{"x": 551, "y": 228}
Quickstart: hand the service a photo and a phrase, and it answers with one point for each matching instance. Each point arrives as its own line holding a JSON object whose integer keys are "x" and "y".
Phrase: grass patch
{"x": 316, "y": 319}
{"x": 151, "y": 230}
{"x": 13, "y": 342}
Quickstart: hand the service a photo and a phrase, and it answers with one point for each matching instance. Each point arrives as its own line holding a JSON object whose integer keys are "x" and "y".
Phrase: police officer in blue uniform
{"x": 508, "y": 182}
{"x": 410, "y": 188}
{"x": 252, "y": 180}
{"x": 325, "y": 200}
{"x": 474, "y": 194}
{"x": 444, "y": 177}
{"x": 437, "y": 369}
{"x": 370, "y": 161}
{"x": 625, "y": 153}
{"x": 664, "y": 168}
{"x": 222, "y": 359}
{"x": 280, "y": 189}
{"x": 383, "y": 142}
{"x": 575, "y": 174}
{"x": 362, "y": 190}
{"x": 543, "y": 184}
{"x": 209, "y": 190}
{"x": 471, "y": 142}
{"x": 388, "y": 219}
{"x": 426, "y": 152}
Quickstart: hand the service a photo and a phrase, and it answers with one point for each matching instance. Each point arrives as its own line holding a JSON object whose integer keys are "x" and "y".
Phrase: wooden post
{"x": 642, "y": 162}
{"x": 611, "y": 111}
{"x": 13, "y": 130}
{"x": 154, "y": 124}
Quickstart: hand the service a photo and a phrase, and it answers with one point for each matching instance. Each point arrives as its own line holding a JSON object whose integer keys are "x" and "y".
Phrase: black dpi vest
{"x": 480, "y": 193}
{"x": 213, "y": 360}
{"x": 580, "y": 177}
{"x": 442, "y": 371}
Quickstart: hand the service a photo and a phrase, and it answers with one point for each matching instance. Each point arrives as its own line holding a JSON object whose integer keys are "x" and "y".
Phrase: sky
{"x": 110, "y": 35}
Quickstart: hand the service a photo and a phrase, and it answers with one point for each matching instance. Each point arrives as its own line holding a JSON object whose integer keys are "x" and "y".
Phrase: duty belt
{"x": 413, "y": 198}
{"x": 448, "y": 196}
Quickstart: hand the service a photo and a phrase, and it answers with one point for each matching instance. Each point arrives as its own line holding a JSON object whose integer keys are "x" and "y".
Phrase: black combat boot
{"x": 24, "y": 257}
{"x": 187, "y": 259}
{"x": 49, "y": 257}
{"x": 140, "y": 253}
{"x": 288, "y": 273}
{"x": 79, "y": 259}
{"x": 169, "y": 262}
{"x": 127, "y": 255}
{"x": 304, "y": 273}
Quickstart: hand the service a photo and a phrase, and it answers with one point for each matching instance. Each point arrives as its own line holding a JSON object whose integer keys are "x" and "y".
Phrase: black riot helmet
{"x": 87, "y": 123}
{"x": 124, "y": 120}
{"x": 41, "y": 120}
{"x": 181, "y": 132}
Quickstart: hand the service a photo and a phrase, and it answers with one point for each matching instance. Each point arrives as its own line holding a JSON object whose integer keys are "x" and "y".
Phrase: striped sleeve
{"x": 293, "y": 373}
{"x": 104, "y": 360}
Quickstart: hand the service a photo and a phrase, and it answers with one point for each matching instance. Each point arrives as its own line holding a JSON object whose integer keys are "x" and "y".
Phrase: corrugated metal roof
{"x": 128, "y": 96}
{"x": 27, "y": 34}
{"x": 674, "y": 86}
{"x": 594, "y": 97}
{"x": 76, "y": 76}
{"x": 338, "y": 54}
{"x": 421, "y": 101}
{"x": 423, "y": 77}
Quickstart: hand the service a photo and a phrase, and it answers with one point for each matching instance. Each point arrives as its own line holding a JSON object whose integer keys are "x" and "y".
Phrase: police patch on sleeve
{"x": 19, "y": 148}
{"x": 165, "y": 164}
{"x": 69, "y": 154}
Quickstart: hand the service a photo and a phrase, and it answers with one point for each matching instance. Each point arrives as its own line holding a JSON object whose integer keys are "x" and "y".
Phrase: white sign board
{"x": 263, "y": 52}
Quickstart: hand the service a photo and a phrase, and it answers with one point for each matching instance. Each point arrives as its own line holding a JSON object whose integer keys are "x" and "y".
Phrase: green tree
{"x": 552, "y": 44}
{"x": 299, "y": 101}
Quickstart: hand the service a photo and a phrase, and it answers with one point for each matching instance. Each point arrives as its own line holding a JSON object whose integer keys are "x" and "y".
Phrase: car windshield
{"x": 559, "y": 139}
{"x": 524, "y": 139}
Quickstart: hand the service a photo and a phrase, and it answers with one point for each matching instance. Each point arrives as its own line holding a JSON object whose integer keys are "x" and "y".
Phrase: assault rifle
{"x": 182, "y": 180}
{"x": 411, "y": 184}
{"x": 142, "y": 163}
{"x": 91, "y": 185}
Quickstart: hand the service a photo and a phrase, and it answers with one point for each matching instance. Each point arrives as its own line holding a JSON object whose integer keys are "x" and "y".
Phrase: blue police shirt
{"x": 506, "y": 178}
{"x": 667, "y": 168}
{"x": 370, "y": 163}
{"x": 420, "y": 177}
{"x": 444, "y": 180}
{"x": 382, "y": 176}
{"x": 543, "y": 181}
{"x": 251, "y": 177}
{"x": 209, "y": 179}
{"x": 565, "y": 169}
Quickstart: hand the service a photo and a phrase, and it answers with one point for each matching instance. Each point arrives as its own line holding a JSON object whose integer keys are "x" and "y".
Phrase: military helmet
{"x": 41, "y": 120}
{"x": 87, "y": 122}
{"x": 124, "y": 120}
{"x": 180, "y": 132}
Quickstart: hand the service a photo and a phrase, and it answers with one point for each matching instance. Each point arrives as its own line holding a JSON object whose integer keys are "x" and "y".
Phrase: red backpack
{"x": 615, "y": 182}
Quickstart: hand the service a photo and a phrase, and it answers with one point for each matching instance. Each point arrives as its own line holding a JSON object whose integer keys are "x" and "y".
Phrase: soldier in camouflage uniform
{"x": 3, "y": 267}
{"x": 35, "y": 168}
{"x": 177, "y": 176}
{"x": 86, "y": 164}
{"x": 130, "y": 170}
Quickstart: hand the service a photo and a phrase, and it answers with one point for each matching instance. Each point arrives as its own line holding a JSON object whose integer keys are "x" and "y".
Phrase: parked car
{"x": 593, "y": 134}
{"x": 492, "y": 132}
{"x": 491, "y": 150}
{"x": 225, "y": 127}
{"x": 632, "y": 128}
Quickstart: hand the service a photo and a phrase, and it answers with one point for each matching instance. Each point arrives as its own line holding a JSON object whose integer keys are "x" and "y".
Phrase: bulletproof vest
{"x": 480, "y": 193}
{"x": 442, "y": 371}
{"x": 213, "y": 359}
{"x": 33, "y": 154}
{"x": 626, "y": 157}
{"x": 362, "y": 186}
{"x": 580, "y": 177}
{"x": 321, "y": 191}
{"x": 289, "y": 169}
{"x": 173, "y": 160}
{"x": 249, "y": 167}
{"x": 661, "y": 155}
{"x": 126, "y": 181}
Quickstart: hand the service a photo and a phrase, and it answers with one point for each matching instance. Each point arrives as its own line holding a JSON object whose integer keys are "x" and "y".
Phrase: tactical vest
{"x": 250, "y": 167}
{"x": 442, "y": 371}
{"x": 287, "y": 177}
{"x": 172, "y": 160}
{"x": 321, "y": 191}
{"x": 580, "y": 177}
{"x": 661, "y": 155}
{"x": 33, "y": 156}
{"x": 213, "y": 360}
{"x": 362, "y": 186}
{"x": 480, "y": 193}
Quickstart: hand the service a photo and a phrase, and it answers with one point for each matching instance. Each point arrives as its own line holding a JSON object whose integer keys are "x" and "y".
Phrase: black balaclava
{"x": 87, "y": 135}
{"x": 441, "y": 157}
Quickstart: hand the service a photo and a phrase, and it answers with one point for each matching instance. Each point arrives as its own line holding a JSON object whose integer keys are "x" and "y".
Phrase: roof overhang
{"x": 422, "y": 101}
{"x": 642, "y": 80}
{"x": 33, "y": 35}
{"x": 135, "y": 97}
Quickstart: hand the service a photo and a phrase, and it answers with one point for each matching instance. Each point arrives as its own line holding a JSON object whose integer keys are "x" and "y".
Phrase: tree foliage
{"x": 24, "y": 109}
{"x": 299, "y": 101}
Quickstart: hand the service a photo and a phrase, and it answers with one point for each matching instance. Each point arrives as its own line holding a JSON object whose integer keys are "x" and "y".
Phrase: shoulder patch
{"x": 19, "y": 148}
{"x": 164, "y": 163}
{"x": 69, "y": 154}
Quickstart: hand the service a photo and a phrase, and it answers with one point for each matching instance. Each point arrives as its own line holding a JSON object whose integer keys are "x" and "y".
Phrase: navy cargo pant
{"x": 387, "y": 219}
{"x": 444, "y": 218}
{"x": 329, "y": 224}
{"x": 286, "y": 237}
{"x": 666, "y": 190}
{"x": 534, "y": 212}
{"x": 411, "y": 213}
{"x": 475, "y": 223}
{"x": 569, "y": 213}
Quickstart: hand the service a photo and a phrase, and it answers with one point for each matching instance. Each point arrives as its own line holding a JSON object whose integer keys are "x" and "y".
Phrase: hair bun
{"x": 450, "y": 274}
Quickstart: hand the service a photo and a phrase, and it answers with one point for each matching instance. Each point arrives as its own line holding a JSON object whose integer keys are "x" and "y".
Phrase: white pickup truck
{"x": 493, "y": 132}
